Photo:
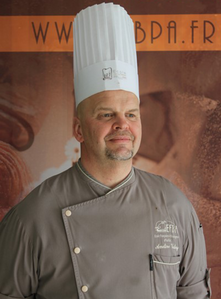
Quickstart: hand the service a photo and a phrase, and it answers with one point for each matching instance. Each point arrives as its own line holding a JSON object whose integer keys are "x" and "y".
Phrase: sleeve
{"x": 18, "y": 275}
{"x": 194, "y": 282}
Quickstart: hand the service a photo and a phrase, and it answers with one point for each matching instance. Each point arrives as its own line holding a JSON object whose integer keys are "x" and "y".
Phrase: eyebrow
{"x": 134, "y": 110}
{"x": 111, "y": 109}
{"x": 103, "y": 108}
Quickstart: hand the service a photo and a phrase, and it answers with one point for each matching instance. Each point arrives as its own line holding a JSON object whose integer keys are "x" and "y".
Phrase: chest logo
{"x": 166, "y": 235}
{"x": 166, "y": 227}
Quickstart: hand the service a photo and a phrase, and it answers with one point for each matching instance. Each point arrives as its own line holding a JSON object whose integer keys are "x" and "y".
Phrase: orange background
{"x": 18, "y": 33}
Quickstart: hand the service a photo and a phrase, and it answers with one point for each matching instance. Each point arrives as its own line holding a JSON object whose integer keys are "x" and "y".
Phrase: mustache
{"x": 119, "y": 134}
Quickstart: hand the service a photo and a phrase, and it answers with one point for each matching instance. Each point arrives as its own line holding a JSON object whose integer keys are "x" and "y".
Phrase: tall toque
{"x": 104, "y": 51}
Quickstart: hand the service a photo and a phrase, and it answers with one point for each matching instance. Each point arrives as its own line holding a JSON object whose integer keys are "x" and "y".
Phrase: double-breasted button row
{"x": 77, "y": 250}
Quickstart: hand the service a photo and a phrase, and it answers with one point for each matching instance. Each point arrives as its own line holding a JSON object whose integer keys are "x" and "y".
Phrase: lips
{"x": 120, "y": 140}
{"x": 120, "y": 137}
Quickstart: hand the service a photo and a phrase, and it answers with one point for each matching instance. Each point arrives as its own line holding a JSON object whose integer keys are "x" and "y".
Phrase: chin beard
{"x": 113, "y": 155}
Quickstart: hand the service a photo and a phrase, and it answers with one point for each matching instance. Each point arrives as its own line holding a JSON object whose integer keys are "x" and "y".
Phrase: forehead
{"x": 114, "y": 99}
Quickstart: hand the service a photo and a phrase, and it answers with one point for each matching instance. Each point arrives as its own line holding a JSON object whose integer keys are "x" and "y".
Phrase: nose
{"x": 121, "y": 123}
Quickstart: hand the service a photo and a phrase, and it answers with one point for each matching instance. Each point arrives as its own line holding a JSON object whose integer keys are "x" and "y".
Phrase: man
{"x": 103, "y": 229}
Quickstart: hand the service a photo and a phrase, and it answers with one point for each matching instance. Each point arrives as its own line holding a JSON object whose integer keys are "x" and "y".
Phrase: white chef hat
{"x": 104, "y": 51}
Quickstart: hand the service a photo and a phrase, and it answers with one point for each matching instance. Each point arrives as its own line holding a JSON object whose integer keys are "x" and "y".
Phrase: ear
{"x": 77, "y": 130}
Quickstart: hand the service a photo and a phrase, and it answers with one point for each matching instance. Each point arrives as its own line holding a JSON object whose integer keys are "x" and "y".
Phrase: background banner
{"x": 179, "y": 61}
{"x": 192, "y": 32}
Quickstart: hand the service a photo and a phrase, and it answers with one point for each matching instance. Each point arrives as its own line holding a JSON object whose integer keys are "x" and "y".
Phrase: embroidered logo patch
{"x": 166, "y": 235}
{"x": 166, "y": 227}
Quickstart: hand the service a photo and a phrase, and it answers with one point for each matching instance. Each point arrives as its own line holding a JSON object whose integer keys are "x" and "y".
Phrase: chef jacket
{"x": 73, "y": 237}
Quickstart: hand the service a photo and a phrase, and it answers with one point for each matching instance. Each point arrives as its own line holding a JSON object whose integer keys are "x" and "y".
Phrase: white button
{"x": 84, "y": 289}
{"x": 77, "y": 250}
{"x": 68, "y": 213}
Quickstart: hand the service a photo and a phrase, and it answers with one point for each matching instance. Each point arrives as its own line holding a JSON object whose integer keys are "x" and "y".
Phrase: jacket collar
{"x": 107, "y": 190}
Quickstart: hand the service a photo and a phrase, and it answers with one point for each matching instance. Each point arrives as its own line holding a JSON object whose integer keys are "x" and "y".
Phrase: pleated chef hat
{"x": 104, "y": 51}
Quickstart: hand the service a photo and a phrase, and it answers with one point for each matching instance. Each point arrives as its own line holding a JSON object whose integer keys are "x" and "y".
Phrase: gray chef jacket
{"x": 73, "y": 237}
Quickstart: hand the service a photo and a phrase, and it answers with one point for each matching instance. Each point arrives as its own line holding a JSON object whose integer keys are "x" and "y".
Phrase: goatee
{"x": 113, "y": 155}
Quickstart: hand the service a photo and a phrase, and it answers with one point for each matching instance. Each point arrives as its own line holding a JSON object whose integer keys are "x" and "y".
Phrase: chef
{"x": 103, "y": 229}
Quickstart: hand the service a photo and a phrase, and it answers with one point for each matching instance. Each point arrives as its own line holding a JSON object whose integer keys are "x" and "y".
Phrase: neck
{"x": 110, "y": 173}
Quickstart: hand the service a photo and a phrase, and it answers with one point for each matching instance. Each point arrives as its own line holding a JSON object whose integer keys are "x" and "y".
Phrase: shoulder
{"x": 49, "y": 190}
{"x": 44, "y": 202}
{"x": 149, "y": 178}
{"x": 163, "y": 190}
{"x": 155, "y": 180}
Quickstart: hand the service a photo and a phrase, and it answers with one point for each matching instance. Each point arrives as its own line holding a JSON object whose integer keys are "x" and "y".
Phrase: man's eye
{"x": 107, "y": 115}
{"x": 131, "y": 115}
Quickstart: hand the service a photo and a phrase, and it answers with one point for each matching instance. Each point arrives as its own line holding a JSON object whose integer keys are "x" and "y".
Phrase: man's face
{"x": 109, "y": 126}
